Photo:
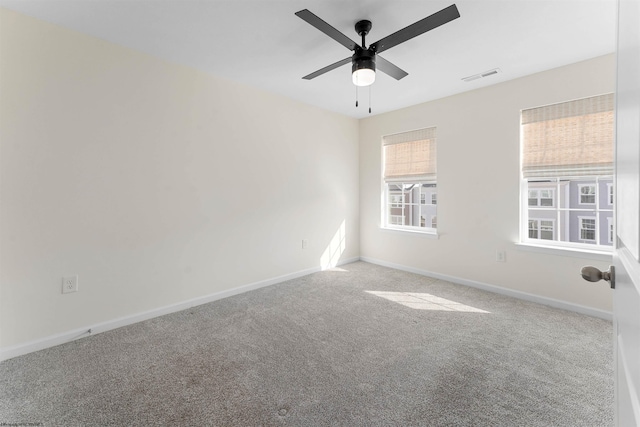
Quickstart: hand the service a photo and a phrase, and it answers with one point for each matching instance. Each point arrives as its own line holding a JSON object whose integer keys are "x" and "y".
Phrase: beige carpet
{"x": 362, "y": 345}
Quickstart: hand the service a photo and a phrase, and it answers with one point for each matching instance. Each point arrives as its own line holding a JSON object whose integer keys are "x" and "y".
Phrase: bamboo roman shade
{"x": 410, "y": 155}
{"x": 569, "y": 139}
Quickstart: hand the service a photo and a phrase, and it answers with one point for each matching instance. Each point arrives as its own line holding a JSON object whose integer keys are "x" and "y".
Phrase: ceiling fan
{"x": 365, "y": 59}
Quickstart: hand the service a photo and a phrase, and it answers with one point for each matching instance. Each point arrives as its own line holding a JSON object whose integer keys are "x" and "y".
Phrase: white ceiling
{"x": 263, "y": 44}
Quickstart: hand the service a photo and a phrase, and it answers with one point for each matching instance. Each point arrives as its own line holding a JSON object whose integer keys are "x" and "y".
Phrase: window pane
{"x": 406, "y": 204}
{"x": 561, "y": 217}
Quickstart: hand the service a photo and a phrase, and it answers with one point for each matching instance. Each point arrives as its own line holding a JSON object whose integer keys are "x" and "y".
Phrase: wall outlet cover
{"x": 69, "y": 284}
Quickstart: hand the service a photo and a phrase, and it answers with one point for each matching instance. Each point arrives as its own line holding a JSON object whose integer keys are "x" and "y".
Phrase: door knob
{"x": 592, "y": 274}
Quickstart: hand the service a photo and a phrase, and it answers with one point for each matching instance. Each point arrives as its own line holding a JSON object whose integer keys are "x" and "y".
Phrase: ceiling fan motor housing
{"x": 363, "y": 59}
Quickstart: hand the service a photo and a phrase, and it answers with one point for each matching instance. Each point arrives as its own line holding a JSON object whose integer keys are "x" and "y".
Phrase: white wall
{"x": 155, "y": 183}
{"x": 478, "y": 187}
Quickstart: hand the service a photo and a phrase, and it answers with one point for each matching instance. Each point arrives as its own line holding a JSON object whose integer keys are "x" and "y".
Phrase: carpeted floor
{"x": 361, "y": 345}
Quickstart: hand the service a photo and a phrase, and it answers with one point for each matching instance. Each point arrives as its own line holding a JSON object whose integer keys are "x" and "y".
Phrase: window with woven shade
{"x": 567, "y": 173}
{"x": 409, "y": 175}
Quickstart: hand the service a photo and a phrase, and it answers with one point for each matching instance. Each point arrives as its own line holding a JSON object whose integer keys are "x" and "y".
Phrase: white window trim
{"x": 595, "y": 194}
{"x": 597, "y": 253}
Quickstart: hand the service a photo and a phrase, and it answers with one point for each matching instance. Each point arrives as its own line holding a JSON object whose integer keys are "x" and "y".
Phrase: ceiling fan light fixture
{"x": 364, "y": 77}
{"x": 363, "y": 68}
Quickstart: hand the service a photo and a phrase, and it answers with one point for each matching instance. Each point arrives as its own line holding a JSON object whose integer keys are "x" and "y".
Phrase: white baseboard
{"x": 51, "y": 341}
{"x": 593, "y": 312}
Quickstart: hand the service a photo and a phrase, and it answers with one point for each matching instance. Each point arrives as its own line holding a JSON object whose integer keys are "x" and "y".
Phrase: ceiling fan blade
{"x": 317, "y": 22}
{"x": 389, "y": 68}
{"x": 328, "y": 68}
{"x": 429, "y": 23}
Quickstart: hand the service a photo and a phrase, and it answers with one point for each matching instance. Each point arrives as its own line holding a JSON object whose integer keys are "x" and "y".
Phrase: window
{"x": 587, "y": 194}
{"x": 409, "y": 180}
{"x": 434, "y": 199}
{"x": 587, "y": 228}
{"x": 541, "y": 197}
{"x": 541, "y": 229}
{"x": 434, "y": 221}
{"x": 567, "y": 168}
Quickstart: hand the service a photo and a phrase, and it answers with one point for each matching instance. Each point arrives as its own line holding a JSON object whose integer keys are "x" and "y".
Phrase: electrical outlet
{"x": 70, "y": 284}
{"x": 305, "y": 243}
{"x": 501, "y": 256}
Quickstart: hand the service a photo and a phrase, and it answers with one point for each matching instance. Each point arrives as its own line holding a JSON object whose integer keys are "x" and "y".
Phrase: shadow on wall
{"x": 333, "y": 252}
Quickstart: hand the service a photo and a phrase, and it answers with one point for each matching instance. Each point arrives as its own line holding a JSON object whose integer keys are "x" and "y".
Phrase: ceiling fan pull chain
{"x": 356, "y": 96}
{"x": 370, "y": 99}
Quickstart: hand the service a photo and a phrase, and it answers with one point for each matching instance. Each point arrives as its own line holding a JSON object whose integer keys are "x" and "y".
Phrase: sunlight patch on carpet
{"x": 423, "y": 301}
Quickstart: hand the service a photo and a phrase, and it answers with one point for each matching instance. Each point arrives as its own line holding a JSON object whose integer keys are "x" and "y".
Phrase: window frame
{"x": 418, "y": 204}
{"x": 386, "y": 207}
{"x": 550, "y": 135}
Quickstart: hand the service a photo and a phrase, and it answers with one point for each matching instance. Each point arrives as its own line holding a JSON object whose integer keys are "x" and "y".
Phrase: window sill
{"x": 598, "y": 255}
{"x": 425, "y": 234}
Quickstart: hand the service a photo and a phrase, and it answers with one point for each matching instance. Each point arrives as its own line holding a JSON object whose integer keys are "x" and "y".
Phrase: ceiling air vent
{"x": 481, "y": 75}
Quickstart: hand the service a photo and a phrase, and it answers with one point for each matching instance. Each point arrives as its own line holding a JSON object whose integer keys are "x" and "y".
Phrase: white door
{"x": 626, "y": 259}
